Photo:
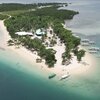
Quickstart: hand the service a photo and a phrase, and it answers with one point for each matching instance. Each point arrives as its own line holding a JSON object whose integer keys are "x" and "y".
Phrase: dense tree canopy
{"x": 16, "y": 6}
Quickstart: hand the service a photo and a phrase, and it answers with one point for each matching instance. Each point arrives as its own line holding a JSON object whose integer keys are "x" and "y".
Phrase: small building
{"x": 38, "y": 60}
{"x": 24, "y": 33}
{"x": 40, "y": 32}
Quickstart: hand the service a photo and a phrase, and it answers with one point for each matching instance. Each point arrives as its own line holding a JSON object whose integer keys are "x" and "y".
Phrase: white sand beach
{"x": 75, "y": 68}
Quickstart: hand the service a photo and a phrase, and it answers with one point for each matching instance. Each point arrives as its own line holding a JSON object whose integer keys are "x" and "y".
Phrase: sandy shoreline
{"x": 74, "y": 68}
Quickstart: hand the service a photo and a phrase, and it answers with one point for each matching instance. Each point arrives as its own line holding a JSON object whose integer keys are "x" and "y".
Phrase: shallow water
{"x": 88, "y": 21}
{"x": 17, "y": 83}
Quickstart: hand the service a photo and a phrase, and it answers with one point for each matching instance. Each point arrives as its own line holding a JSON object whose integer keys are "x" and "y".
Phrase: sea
{"x": 18, "y": 82}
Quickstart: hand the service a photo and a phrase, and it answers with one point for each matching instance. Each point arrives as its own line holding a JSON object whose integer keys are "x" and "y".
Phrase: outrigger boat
{"x": 85, "y": 44}
{"x": 93, "y": 52}
{"x": 52, "y": 76}
{"x": 85, "y": 40}
{"x": 94, "y": 49}
{"x": 65, "y": 76}
{"x": 91, "y": 42}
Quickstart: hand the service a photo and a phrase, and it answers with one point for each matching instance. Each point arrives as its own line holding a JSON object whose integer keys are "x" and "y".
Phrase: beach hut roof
{"x": 40, "y": 32}
{"x": 23, "y": 33}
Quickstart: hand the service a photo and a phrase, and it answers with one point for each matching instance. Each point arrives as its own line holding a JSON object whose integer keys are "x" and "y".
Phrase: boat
{"x": 52, "y": 76}
{"x": 64, "y": 76}
{"x": 85, "y": 40}
{"x": 93, "y": 52}
{"x": 94, "y": 49}
{"x": 91, "y": 42}
{"x": 85, "y": 44}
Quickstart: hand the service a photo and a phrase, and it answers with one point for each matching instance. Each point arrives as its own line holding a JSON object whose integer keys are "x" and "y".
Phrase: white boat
{"x": 94, "y": 49}
{"x": 85, "y": 44}
{"x": 85, "y": 40}
{"x": 93, "y": 52}
{"x": 64, "y": 76}
{"x": 91, "y": 42}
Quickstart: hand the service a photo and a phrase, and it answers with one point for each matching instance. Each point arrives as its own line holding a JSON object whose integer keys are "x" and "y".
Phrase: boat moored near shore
{"x": 93, "y": 52}
{"x": 94, "y": 49}
{"x": 65, "y": 76}
{"x": 85, "y": 40}
{"x": 85, "y": 44}
{"x": 52, "y": 76}
{"x": 91, "y": 42}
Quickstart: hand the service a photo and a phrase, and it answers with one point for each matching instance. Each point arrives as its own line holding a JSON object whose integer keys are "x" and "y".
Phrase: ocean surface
{"x": 19, "y": 83}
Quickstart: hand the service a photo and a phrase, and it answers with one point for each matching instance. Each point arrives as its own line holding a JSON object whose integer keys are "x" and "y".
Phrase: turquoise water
{"x": 15, "y": 85}
{"x": 19, "y": 83}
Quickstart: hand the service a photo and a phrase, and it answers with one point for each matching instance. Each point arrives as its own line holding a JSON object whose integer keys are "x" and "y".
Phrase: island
{"x": 40, "y": 29}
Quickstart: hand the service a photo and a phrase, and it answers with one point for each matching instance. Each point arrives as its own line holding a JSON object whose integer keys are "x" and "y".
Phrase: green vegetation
{"x": 43, "y": 18}
{"x": 36, "y": 44}
{"x": 2, "y": 17}
{"x": 11, "y": 8}
{"x": 66, "y": 37}
{"x": 54, "y": 12}
{"x": 16, "y": 6}
{"x": 80, "y": 54}
{"x": 15, "y": 12}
